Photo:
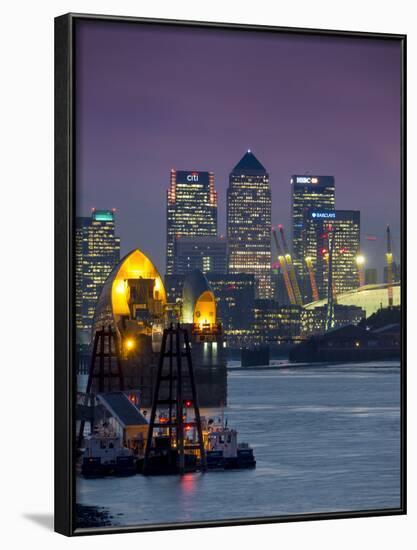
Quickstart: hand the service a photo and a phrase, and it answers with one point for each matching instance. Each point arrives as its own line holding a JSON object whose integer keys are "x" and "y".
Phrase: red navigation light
{"x": 188, "y": 403}
{"x": 280, "y": 226}
{"x": 370, "y": 238}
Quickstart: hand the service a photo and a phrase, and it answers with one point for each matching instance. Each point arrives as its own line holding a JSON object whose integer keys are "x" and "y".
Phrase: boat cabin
{"x": 224, "y": 440}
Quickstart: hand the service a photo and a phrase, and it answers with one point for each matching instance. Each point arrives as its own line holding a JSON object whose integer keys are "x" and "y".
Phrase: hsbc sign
{"x": 307, "y": 179}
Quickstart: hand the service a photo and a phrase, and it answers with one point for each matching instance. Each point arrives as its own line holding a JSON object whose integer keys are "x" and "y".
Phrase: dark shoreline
{"x": 306, "y": 365}
{"x": 93, "y": 516}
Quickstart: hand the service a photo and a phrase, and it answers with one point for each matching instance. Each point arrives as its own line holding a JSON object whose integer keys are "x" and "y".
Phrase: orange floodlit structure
{"x": 291, "y": 270}
{"x": 283, "y": 265}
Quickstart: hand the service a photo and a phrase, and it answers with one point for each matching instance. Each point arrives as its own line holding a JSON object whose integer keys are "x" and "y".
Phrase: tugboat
{"x": 104, "y": 455}
{"x": 224, "y": 452}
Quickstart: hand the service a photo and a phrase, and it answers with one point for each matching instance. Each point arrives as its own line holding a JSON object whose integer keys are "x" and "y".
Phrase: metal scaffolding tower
{"x": 169, "y": 392}
{"x": 105, "y": 366}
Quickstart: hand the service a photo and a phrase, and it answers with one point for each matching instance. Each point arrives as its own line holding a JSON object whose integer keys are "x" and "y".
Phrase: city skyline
{"x": 297, "y": 113}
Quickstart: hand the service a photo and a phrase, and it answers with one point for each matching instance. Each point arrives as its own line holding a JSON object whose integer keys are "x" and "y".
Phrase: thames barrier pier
{"x": 133, "y": 306}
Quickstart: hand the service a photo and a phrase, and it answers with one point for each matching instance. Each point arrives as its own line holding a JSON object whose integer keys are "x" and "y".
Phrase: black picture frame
{"x": 65, "y": 192}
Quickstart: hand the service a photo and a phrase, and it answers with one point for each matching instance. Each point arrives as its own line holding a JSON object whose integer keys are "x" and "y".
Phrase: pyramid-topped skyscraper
{"x": 249, "y": 222}
{"x": 249, "y": 165}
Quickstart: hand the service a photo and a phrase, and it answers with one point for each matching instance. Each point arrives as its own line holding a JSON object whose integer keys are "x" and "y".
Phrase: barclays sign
{"x": 325, "y": 215}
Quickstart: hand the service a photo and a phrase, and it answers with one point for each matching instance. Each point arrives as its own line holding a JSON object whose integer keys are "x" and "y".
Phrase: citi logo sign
{"x": 323, "y": 215}
{"x": 193, "y": 176}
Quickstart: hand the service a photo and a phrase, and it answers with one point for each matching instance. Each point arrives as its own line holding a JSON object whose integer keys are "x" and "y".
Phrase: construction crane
{"x": 293, "y": 278}
{"x": 388, "y": 256}
{"x": 314, "y": 291}
{"x": 283, "y": 266}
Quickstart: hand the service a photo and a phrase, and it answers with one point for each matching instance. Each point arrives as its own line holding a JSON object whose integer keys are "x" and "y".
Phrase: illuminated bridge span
{"x": 368, "y": 297}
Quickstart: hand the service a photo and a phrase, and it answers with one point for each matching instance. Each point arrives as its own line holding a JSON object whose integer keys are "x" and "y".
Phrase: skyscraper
{"x": 191, "y": 209}
{"x": 97, "y": 251}
{"x": 307, "y": 193}
{"x": 249, "y": 223}
{"x": 235, "y": 295}
{"x": 208, "y": 254}
{"x": 318, "y": 224}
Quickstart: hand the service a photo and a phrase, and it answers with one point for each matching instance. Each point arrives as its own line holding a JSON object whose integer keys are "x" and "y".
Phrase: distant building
{"x": 235, "y": 296}
{"x": 173, "y": 285}
{"x": 289, "y": 321}
{"x": 97, "y": 251}
{"x": 307, "y": 193}
{"x": 191, "y": 209}
{"x": 249, "y": 223}
{"x": 314, "y": 321}
{"x": 208, "y": 254}
{"x": 371, "y": 276}
{"x": 265, "y": 320}
{"x": 275, "y": 323}
{"x": 319, "y": 225}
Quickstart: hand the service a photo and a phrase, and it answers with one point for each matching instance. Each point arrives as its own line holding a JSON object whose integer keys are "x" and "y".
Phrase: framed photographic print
{"x": 230, "y": 289}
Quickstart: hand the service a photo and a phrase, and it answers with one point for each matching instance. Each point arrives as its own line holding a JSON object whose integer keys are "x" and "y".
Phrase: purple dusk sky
{"x": 151, "y": 98}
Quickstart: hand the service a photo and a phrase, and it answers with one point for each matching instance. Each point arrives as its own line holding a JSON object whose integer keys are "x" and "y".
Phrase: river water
{"x": 326, "y": 439}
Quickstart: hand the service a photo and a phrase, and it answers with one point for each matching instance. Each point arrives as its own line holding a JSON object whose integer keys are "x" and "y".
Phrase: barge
{"x": 221, "y": 448}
